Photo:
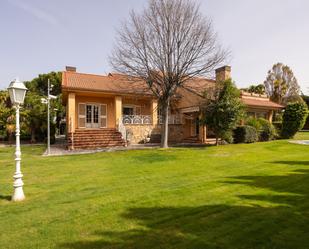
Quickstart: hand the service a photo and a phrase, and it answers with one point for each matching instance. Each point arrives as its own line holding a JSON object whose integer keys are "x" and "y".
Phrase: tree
{"x": 5, "y": 113}
{"x": 39, "y": 84}
{"x": 294, "y": 118}
{"x": 166, "y": 45}
{"x": 35, "y": 113}
{"x": 222, "y": 109}
{"x": 281, "y": 84}
{"x": 258, "y": 89}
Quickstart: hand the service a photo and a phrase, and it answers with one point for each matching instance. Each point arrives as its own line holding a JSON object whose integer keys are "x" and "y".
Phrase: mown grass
{"x": 235, "y": 196}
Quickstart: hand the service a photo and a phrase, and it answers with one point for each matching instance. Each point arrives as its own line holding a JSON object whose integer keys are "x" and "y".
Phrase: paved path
{"x": 61, "y": 150}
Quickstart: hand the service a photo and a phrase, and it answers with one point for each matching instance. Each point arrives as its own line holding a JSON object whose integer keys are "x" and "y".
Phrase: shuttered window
{"x": 81, "y": 115}
{"x": 103, "y": 116}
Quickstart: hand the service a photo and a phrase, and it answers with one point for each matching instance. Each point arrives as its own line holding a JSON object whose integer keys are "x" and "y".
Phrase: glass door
{"x": 92, "y": 116}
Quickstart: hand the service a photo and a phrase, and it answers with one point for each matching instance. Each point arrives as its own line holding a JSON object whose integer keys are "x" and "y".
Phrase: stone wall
{"x": 175, "y": 133}
{"x": 137, "y": 134}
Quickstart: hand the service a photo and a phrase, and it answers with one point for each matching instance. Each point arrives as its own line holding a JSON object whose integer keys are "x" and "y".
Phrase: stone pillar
{"x": 71, "y": 113}
{"x": 118, "y": 109}
{"x": 202, "y": 131}
{"x": 204, "y": 134}
{"x": 154, "y": 112}
{"x": 270, "y": 116}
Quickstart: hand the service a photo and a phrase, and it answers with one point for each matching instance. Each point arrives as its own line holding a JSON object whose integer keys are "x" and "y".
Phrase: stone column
{"x": 71, "y": 113}
{"x": 270, "y": 116}
{"x": 154, "y": 112}
{"x": 118, "y": 109}
{"x": 202, "y": 132}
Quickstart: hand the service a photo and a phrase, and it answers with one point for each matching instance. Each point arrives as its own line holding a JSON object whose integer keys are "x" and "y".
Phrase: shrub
{"x": 245, "y": 134}
{"x": 251, "y": 121}
{"x": 267, "y": 131}
{"x": 228, "y": 137}
{"x": 278, "y": 126}
{"x": 294, "y": 118}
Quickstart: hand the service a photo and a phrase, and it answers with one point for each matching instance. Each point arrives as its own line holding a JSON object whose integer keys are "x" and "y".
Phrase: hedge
{"x": 245, "y": 134}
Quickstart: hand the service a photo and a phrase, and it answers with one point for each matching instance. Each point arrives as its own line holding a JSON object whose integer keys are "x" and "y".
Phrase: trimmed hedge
{"x": 245, "y": 134}
{"x": 294, "y": 119}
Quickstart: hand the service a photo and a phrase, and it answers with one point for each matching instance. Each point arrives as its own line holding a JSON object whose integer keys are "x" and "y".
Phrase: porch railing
{"x": 122, "y": 129}
{"x": 136, "y": 119}
{"x": 172, "y": 119}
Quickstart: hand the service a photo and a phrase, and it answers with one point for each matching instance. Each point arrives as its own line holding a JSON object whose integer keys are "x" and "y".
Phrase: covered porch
{"x": 193, "y": 130}
{"x": 101, "y": 111}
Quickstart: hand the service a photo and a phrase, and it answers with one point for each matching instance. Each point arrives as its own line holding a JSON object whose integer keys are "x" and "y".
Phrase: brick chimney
{"x": 223, "y": 73}
{"x": 70, "y": 69}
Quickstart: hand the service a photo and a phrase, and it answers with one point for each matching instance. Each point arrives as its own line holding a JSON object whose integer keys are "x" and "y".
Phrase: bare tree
{"x": 166, "y": 45}
{"x": 281, "y": 84}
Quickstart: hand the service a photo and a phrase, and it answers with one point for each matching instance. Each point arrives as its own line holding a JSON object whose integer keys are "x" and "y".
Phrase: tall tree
{"x": 35, "y": 112}
{"x": 281, "y": 84}
{"x": 222, "y": 109}
{"x": 166, "y": 45}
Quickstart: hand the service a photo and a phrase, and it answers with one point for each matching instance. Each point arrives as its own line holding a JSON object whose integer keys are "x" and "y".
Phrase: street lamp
{"x": 17, "y": 91}
{"x": 47, "y": 102}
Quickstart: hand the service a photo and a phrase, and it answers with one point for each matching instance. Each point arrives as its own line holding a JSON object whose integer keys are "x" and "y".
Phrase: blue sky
{"x": 38, "y": 36}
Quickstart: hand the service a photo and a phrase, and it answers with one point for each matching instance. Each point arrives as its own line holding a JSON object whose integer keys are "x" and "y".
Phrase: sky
{"x": 39, "y": 36}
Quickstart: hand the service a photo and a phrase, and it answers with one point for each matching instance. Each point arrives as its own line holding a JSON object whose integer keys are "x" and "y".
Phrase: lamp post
{"x": 17, "y": 91}
{"x": 47, "y": 101}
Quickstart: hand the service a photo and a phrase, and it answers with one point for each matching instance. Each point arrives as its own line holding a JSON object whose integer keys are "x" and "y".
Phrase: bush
{"x": 245, "y": 134}
{"x": 267, "y": 131}
{"x": 278, "y": 126}
{"x": 294, "y": 119}
{"x": 228, "y": 137}
{"x": 254, "y": 123}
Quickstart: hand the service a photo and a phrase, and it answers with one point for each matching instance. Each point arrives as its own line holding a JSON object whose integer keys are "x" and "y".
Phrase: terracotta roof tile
{"x": 113, "y": 83}
{"x": 261, "y": 102}
{"x": 118, "y": 83}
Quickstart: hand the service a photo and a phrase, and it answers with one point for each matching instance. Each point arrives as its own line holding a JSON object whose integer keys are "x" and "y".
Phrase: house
{"x": 111, "y": 110}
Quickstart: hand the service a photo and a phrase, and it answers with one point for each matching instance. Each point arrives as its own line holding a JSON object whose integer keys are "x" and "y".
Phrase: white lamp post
{"x": 17, "y": 91}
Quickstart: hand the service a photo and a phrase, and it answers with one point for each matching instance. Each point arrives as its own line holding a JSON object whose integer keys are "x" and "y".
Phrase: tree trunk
{"x": 164, "y": 129}
{"x": 32, "y": 135}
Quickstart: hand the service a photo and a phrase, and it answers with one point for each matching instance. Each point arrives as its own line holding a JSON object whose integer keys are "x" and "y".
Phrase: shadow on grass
{"x": 6, "y": 197}
{"x": 282, "y": 223}
{"x": 305, "y": 163}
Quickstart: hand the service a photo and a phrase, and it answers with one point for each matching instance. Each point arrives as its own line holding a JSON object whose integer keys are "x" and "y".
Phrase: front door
{"x": 92, "y": 116}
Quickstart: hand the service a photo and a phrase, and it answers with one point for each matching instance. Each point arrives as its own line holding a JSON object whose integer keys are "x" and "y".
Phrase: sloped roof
{"x": 260, "y": 103}
{"x": 190, "y": 94}
{"x": 112, "y": 83}
{"x": 118, "y": 83}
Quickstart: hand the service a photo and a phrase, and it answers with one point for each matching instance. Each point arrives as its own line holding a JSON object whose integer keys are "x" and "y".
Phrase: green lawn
{"x": 234, "y": 196}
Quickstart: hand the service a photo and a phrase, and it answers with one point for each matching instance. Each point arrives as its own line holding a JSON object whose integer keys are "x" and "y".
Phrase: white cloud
{"x": 38, "y": 13}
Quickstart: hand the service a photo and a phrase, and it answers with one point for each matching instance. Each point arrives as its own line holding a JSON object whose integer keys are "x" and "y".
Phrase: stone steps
{"x": 98, "y": 138}
{"x": 191, "y": 140}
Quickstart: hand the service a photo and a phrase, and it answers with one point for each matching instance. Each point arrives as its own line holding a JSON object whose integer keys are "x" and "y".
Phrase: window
{"x": 131, "y": 110}
{"x": 128, "y": 110}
